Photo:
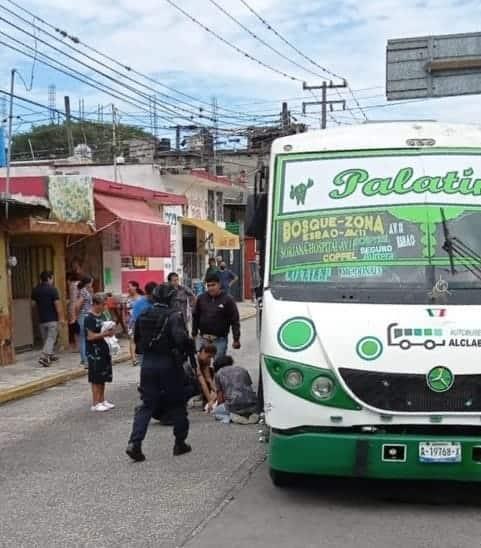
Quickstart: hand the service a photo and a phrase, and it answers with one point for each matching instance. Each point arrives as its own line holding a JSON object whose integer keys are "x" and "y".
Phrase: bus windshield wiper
{"x": 448, "y": 242}
{"x": 456, "y": 247}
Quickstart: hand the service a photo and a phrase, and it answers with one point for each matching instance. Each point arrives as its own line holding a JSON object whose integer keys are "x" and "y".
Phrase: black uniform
{"x": 162, "y": 338}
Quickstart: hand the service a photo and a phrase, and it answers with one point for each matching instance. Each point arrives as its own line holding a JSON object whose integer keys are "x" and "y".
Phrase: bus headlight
{"x": 322, "y": 388}
{"x": 293, "y": 378}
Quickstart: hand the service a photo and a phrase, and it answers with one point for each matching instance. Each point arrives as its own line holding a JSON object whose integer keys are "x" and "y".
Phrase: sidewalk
{"x": 26, "y": 377}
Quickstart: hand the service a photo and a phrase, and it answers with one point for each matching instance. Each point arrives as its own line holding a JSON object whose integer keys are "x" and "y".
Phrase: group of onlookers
{"x": 224, "y": 389}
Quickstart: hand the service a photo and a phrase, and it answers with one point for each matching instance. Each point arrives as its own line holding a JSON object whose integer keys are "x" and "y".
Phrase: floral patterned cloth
{"x": 71, "y": 198}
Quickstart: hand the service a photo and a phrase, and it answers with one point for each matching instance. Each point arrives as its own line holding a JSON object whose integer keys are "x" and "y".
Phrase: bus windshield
{"x": 385, "y": 227}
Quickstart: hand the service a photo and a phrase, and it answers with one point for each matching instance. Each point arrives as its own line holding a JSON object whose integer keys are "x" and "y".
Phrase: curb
{"x": 28, "y": 389}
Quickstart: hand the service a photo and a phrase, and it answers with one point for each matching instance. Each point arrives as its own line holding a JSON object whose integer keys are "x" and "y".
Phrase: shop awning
{"x": 222, "y": 238}
{"x": 142, "y": 232}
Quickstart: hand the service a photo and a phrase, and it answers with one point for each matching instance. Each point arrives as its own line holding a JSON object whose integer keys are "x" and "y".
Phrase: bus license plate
{"x": 440, "y": 451}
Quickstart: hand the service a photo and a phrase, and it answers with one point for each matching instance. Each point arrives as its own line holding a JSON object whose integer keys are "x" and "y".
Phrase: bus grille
{"x": 409, "y": 392}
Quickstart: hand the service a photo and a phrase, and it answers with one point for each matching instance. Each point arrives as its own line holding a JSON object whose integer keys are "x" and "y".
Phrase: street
{"x": 346, "y": 513}
{"x": 66, "y": 481}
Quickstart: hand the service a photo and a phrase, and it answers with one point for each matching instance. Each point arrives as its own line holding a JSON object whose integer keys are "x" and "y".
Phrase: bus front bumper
{"x": 383, "y": 456}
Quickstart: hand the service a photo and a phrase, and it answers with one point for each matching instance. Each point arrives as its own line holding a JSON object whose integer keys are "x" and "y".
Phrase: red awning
{"x": 142, "y": 233}
{"x": 128, "y": 191}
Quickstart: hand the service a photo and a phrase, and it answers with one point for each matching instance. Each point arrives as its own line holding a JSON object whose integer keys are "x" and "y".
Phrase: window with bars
{"x": 31, "y": 261}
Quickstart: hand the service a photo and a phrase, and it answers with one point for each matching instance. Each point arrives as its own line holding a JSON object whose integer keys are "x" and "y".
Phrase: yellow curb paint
{"x": 30, "y": 388}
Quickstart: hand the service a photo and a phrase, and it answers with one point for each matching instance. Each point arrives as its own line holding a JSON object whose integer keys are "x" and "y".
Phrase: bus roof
{"x": 380, "y": 136}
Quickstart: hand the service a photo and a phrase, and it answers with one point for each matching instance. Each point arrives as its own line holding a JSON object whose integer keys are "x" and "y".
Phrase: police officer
{"x": 164, "y": 342}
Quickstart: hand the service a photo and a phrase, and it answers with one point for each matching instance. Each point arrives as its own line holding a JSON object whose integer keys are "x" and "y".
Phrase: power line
{"x": 288, "y": 43}
{"x": 299, "y": 52}
{"x": 261, "y": 40}
{"x": 231, "y": 45}
{"x": 65, "y": 35}
{"x": 77, "y": 76}
{"x": 93, "y": 68}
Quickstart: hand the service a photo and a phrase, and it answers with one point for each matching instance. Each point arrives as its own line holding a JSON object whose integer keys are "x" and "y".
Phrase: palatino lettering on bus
{"x": 452, "y": 182}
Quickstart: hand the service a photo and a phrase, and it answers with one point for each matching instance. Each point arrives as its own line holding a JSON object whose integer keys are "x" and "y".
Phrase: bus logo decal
{"x": 440, "y": 379}
{"x": 407, "y": 337}
{"x": 299, "y": 192}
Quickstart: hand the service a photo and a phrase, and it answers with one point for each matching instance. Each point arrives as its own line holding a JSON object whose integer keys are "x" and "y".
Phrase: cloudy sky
{"x": 346, "y": 37}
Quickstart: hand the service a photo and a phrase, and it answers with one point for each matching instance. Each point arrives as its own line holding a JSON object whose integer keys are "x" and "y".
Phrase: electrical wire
{"x": 303, "y": 55}
{"x": 81, "y": 77}
{"x": 231, "y": 45}
{"x": 261, "y": 40}
{"x": 65, "y": 35}
{"x": 167, "y": 105}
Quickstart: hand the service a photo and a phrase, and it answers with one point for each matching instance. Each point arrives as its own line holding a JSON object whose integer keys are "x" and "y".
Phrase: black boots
{"x": 135, "y": 452}
{"x": 180, "y": 448}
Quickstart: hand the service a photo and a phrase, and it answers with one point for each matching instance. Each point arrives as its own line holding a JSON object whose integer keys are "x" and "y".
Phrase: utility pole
{"x": 52, "y": 102}
{"x": 216, "y": 131}
{"x": 114, "y": 140}
{"x": 177, "y": 138}
{"x": 68, "y": 125}
{"x": 155, "y": 116}
{"x": 9, "y": 150}
{"x": 324, "y": 102}
{"x": 285, "y": 119}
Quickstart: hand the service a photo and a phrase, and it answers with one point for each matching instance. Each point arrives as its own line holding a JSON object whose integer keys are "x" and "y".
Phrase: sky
{"x": 346, "y": 37}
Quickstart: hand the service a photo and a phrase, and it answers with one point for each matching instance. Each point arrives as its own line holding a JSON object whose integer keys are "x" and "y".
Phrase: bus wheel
{"x": 281, "y": 479}
{"x": 429, "y": 344}
{"x": 405, "y": 344}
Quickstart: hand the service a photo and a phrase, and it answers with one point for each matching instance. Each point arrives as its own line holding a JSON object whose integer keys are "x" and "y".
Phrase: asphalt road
{"x": 66, "y": 481}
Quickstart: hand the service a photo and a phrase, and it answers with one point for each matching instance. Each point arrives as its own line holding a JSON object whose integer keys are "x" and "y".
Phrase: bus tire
{"x": 281, "y": 479}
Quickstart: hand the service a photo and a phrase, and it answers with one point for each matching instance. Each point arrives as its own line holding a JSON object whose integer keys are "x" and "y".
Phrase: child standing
{"x": 98, "y": 354}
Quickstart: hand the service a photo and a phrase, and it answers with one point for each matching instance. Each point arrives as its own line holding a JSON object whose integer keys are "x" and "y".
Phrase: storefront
{"x": 203, "y": 239}
{"x": 138, "y": 241}
{"x": 36, "y": 245}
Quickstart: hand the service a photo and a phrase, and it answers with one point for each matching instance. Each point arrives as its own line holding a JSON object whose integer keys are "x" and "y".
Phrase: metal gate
{"x": 31, "y": 261}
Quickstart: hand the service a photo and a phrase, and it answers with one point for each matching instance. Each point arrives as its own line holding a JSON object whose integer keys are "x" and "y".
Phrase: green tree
{"x": 50, "y": 140}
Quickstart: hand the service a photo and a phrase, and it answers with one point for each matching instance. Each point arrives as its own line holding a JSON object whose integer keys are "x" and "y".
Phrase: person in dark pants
{"x": 215, "y": 313}
{"x": 164, "y": 343}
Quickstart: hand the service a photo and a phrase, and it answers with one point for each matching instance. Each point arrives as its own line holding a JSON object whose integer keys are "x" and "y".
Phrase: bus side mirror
{"x": 256, "y": 216}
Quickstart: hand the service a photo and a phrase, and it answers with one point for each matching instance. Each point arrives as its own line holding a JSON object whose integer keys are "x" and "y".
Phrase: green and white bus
{"x": 371, "y": 302}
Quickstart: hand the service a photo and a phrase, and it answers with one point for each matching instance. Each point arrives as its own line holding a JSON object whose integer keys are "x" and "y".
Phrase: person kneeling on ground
{"x": 236, "y": 399}
{"x": 205, "y": 374}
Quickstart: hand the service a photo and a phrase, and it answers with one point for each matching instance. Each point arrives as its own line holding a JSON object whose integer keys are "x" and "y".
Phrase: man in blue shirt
{"x": 227, "y": 277}
{"x": 141, "y": 305}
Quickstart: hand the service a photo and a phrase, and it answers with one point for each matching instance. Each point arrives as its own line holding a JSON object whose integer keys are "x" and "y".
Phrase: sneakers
{"x": 44, "y": 361}
{"x": 180, "y": 448}
{"x": 108, "y": 404}
{"x": 53, "y": 358}
{"x": 100, "y": 407}
{"x": 135, "y": 452}
{"x": 253, "y": 418}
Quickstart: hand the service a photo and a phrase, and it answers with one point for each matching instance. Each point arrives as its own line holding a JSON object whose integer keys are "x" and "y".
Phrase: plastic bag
{"x": 112, "y": 342}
